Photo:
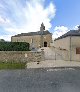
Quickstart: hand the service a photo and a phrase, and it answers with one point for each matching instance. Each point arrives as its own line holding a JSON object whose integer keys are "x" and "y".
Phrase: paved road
{"x": 40, "y": 80}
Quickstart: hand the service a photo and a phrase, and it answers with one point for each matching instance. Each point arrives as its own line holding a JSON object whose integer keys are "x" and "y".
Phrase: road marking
{"x": 60, "y": 69}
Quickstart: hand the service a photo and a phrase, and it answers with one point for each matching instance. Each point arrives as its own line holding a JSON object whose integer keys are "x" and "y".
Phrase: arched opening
{"x": 45, "y": 44}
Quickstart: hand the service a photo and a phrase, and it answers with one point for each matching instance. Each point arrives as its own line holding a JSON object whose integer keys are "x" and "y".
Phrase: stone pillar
{"x": 42, "y": 55}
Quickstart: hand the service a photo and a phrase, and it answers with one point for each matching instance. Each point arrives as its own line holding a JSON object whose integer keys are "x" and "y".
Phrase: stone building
{"x": 38, "y": 39}
{"x": 70, "y": 41}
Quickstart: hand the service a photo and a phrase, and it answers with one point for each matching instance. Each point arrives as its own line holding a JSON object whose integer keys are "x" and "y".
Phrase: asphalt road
{"x": 40, "y": 80}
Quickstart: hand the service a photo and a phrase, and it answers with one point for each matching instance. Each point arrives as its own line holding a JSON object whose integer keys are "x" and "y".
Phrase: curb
{"x": 75, "y": 67}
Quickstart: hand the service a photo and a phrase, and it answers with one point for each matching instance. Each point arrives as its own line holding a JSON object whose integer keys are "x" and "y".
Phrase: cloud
{"x": 59, "y": 30}
{"x": 75, "y": 27}
{"x": 6, "y": 37}
{"x": 24, "y": 16}
{"x": 4, "y": 20}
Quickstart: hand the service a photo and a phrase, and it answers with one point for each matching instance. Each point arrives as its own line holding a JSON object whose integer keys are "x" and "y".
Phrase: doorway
{"x": 45, "y": 44}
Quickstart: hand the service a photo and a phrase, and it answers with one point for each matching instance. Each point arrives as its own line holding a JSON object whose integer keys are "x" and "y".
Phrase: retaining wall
{"x": 21, "y": 56}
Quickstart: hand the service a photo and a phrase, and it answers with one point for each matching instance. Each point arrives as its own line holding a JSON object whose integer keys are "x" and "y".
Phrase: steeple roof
{"x": 32, "y": 33}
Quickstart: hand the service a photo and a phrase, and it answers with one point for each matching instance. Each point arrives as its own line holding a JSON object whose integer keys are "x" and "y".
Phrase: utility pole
{"x": 70, "y": 48}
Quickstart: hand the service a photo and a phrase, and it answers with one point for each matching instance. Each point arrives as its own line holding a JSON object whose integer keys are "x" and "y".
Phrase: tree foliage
{"x": 14, "y": 46}
{"x": 2, "y": 40}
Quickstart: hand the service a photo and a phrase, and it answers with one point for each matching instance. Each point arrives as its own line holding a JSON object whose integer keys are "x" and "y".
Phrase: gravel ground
{"x": 40, "y": 80}
{"x": 53, "y": 63}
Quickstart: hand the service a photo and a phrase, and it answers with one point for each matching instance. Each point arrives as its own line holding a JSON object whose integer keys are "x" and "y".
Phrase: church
{"x": 38, "y": 39}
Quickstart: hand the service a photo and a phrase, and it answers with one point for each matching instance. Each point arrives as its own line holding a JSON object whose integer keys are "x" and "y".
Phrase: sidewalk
{"x": 53, "y": 63}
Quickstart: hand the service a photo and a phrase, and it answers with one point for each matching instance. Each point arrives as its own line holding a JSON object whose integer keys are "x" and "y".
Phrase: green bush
{"x": 14, "y": 46}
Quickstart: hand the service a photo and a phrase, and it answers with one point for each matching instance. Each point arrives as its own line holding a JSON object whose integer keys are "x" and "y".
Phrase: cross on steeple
{"x": 42, "y": 25}
{"x": 42, "y": 28}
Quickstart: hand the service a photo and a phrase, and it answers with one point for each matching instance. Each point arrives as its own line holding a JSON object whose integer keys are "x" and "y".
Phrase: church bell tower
{"x": 42, "y": 28}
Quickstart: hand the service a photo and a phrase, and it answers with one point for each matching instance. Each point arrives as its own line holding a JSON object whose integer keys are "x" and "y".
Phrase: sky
{"x": 23, "y": 16}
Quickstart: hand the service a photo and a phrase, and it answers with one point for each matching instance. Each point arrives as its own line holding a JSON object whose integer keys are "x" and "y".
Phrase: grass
{"x": 10, "y": 65}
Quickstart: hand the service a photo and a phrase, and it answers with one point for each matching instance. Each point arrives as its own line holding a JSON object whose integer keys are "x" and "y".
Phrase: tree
{"x": 2, "y": 40}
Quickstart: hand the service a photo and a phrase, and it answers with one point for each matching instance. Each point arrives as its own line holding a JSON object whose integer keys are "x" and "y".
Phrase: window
{"x": 78, "y": 50}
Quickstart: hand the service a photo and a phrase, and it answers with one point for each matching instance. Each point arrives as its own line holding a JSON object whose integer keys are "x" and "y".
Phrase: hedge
{"x": 14, "y": 46}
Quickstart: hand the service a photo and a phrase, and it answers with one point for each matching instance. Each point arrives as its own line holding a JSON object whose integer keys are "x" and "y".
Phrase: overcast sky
{"x": 22, "y": 16}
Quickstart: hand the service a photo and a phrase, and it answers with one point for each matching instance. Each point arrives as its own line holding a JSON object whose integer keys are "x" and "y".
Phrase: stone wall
{"x": 63, "y": 43}
{"x": 21, "y": 56}
{"x": 61, "y": 54}
{"x": 53, "y": 53}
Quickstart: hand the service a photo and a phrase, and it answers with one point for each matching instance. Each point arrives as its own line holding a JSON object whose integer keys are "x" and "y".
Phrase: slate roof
{"x": 70, "y": 33}
{"x": 32, "y": 33}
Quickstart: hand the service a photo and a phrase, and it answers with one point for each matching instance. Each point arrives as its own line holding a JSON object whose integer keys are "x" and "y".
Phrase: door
{"x": 45, "y": 44}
